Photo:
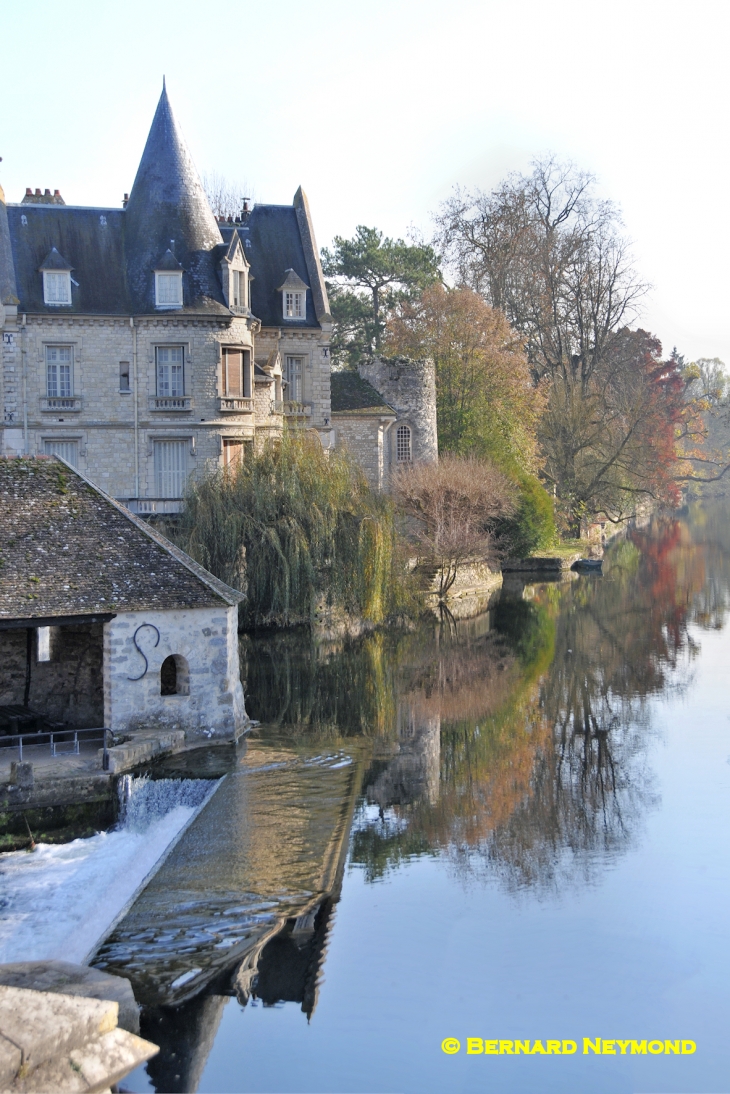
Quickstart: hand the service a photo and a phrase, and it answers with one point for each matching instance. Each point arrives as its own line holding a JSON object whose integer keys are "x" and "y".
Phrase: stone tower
{"x": 409, "y": 387}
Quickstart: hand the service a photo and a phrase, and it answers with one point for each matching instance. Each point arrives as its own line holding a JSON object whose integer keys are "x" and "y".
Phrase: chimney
{"x": 38, "y": 192}
{"x": 125, "y": 199}
{"x": 28, "y": 192}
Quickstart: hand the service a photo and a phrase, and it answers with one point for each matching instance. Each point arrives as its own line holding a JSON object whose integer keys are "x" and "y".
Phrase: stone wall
{"x": 312, "y": 345}
{"x": 366, "y": 438}
{"x": 410, "y": 388}
{"x": 68, "y": 688}
{"x": 207, "y": 638}
{"x": 102, "y": 421}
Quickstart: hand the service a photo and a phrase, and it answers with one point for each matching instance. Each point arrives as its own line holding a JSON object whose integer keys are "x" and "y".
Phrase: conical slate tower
{"x": 168, "y": 211}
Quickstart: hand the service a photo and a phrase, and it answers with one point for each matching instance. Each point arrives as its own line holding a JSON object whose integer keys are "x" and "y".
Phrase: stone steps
{"x": 64, "y": 1043}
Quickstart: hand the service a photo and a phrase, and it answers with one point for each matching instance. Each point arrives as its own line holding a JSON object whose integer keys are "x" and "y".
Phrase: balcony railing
{"x": 277, "y": 406}
{"x": 297, "y": 410}
{"x": 171, "y": 402}
{"x": 234, "y": 405}
{"x": 146, "y": 506}
{"x": 70, "y": 404}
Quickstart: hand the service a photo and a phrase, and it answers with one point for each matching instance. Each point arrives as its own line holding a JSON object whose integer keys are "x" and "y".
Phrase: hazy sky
{"x": 378, "y": 109}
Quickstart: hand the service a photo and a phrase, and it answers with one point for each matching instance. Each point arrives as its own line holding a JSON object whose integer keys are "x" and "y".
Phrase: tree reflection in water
{"x": 517, "y": 744}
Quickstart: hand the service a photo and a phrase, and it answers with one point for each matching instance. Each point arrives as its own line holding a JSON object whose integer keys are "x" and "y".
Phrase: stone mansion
{"x": 147, "y": 342}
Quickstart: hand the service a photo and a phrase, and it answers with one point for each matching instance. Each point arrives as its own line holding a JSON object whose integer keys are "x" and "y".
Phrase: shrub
{"x": 296, "y": 527}
{"x": 454, "y": 504}
{"x": 532, "y": 526}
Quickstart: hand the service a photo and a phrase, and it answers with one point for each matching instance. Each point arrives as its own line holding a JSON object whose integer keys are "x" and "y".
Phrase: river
{"x": 512, "y": 829}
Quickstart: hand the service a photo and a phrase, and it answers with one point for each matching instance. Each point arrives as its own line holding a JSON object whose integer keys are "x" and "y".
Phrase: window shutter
{"x": 171, "y": 468}
{"x": 67, "y": 450}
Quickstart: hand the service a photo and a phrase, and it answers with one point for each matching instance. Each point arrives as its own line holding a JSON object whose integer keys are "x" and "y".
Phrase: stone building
{"x": 386, "y": 414}
{"x": 148, "y": 342}
{"x": 145, "y": 342}
{"x": 103, "y": 622}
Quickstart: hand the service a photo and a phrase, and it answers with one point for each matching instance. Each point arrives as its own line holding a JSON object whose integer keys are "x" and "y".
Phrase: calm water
{"x": 515, "y": 828}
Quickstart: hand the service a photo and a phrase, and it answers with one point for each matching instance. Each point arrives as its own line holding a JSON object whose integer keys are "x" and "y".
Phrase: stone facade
{"x": 209, "y": 701}
{"x": 386, "y": 414}
{"x": 103, "y": 621}
{"x": 114, "y": 412}
{"x": 410, "y": 388}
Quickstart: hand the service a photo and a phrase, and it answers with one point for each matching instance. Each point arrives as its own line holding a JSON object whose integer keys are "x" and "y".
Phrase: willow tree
{"x": 298, "y": 529}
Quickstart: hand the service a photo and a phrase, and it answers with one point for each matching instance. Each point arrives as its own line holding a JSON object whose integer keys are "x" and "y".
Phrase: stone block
{"x": 68, "y": 979}
{"x": 21, "y": 774}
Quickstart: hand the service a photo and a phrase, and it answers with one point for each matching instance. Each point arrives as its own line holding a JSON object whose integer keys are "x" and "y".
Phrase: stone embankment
{"x": 66, "y": 1033}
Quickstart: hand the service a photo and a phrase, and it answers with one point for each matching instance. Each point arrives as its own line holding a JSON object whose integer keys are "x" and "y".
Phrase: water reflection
{"x": 514, "y": 746}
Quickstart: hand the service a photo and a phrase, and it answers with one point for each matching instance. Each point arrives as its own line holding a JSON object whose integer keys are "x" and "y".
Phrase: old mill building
{"x": 145, "y": 343}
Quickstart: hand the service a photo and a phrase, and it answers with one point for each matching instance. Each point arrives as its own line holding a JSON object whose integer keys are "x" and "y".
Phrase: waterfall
{"x": 143, "y": 801}
{"x": 61, "y": 901}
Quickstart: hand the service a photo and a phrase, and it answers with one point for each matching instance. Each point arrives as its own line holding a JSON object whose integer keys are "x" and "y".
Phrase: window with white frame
{"x": 238, "y": 289}
{"x": 403, "y": 444}
{"x": 59, "y": 372}
{"x": 56, "y": 287}
{"x": 168, "y": 290}
{"x": 293, "y": 375}
{"x": 294, "y": 307}
{"x": 170, "y": 371}
{"x": 67, "y": 450}
{"x": 171, "y": 468}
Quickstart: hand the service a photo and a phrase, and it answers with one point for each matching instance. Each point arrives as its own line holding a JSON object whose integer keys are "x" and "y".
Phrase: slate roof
{"x": 167, "y": 203}
{"x": 272, "y": 244}
{"x": 91, "y": 240}
{"x": 351, "y": 394}
{"x": 68, "y": 549}
{"x": 114, "y": 252}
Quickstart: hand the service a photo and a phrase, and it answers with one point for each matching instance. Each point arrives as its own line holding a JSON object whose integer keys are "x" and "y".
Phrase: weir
{"x": 267, "y": 849}
{"x": 61, "y": 901}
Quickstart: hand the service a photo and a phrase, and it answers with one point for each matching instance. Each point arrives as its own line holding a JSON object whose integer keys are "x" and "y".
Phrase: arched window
{"x": 174, "y": 676}
{"x": 403, "y": 444}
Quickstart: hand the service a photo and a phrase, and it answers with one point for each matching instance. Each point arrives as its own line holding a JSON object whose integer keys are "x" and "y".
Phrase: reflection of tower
{"x": 413, "y": 773}
{"x": 185, "y": 1035}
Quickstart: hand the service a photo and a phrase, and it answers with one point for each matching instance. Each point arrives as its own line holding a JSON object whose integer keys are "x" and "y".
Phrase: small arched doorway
{"x": 174, "y": 676}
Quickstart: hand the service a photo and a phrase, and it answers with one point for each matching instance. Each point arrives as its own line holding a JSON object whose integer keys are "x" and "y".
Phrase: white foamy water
{"x": 59, "y": 902}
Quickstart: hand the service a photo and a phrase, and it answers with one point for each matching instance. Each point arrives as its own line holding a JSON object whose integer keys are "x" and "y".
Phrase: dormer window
{"x": 234, "y": 274}
{"x": 168, "y": 282}
{"x": 238, "y": 285}
{"x": 56, "y": 279}
{"x": 168, "y": 288}
{"x": 294, "y": 297}
{"x": 56, "y": 287}
{"x": 294, "y": 305}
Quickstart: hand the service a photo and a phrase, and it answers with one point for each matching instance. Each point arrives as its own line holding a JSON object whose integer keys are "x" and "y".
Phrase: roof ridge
{"x": 226, "y": 592}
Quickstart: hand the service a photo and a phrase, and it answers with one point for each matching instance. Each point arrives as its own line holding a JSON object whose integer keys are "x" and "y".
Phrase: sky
{"x": 380, "y": 108}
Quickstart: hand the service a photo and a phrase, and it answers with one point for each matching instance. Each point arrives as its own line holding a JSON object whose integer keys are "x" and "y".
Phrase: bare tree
{"x": 226, "y": 197}
{"x": 552, "y": 256}
{"x": 454, "y": 505}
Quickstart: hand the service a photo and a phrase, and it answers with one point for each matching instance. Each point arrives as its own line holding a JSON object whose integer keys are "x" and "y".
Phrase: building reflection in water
{"x": 514, "y": 746}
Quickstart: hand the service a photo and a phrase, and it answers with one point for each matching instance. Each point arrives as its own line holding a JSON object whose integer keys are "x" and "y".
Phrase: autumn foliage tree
{"x": 629, "y": 433}
{"x": 487, "y": 404}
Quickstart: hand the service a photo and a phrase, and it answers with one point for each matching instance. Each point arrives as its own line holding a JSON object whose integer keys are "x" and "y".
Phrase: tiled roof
{"x": 67, "y": 549}
{"x": 352, "y": 394}
{"x": 273, "y": 245}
